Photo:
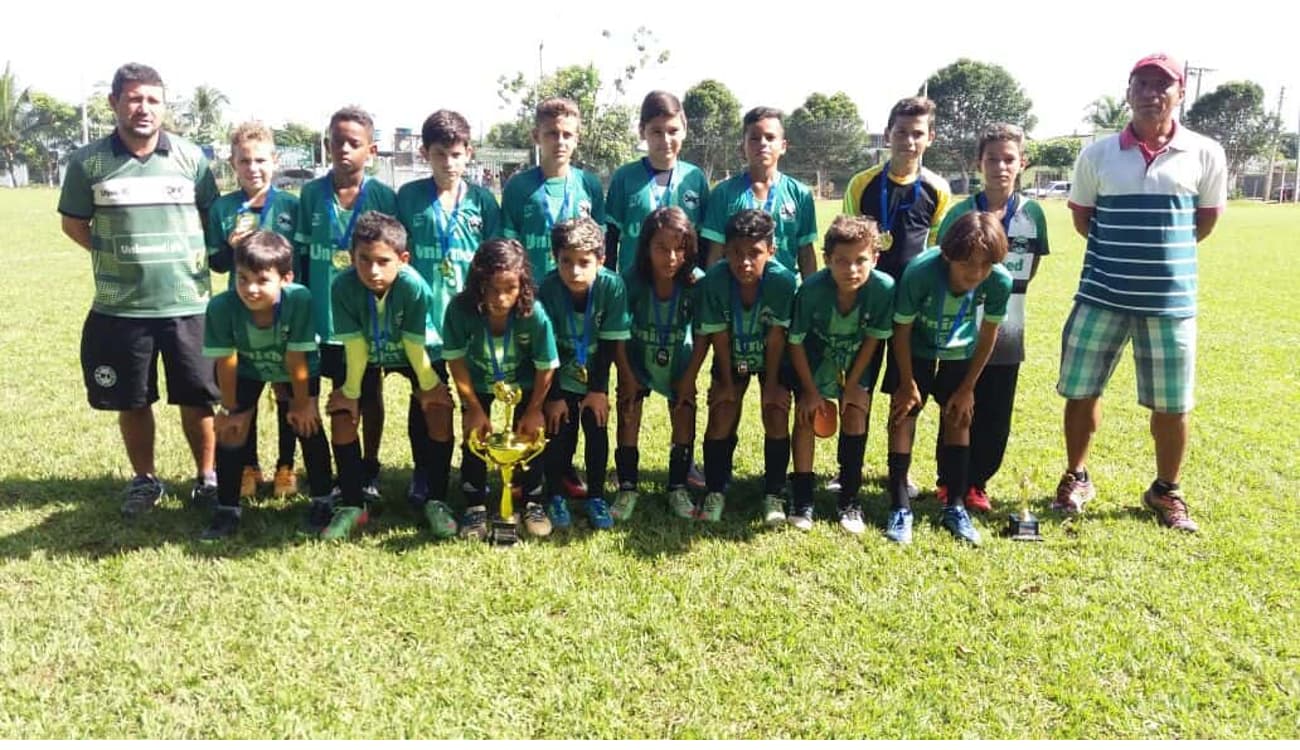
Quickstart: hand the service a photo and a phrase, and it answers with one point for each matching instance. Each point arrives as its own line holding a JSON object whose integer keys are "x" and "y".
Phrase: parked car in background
{"x": 1055, "y": 189}
{"x": 293, "y": 179}
{"x": 1284, "y": 193}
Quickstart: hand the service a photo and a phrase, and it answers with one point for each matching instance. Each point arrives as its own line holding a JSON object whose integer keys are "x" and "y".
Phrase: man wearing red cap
{"x": 1143, "y": 199}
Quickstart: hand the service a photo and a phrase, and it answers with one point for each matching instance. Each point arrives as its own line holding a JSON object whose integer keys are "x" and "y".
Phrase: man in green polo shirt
{"x": 138, "y": 200}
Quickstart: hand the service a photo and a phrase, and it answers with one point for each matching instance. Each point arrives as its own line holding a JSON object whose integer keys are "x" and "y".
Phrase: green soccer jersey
{"x": 229, "y": 329}
{"x": 146, "y": 216}
{"x": 442, "y": 242}
{"x": 944, "y": 325}
{"x": 722, "y": 310}
{"x": 531, "y": 205}
{"x": 323, "y": 235}
{"x": 661, "y": 345}
{"x": 789, "y": 201}
{"x": 578, "y": 332}
{"x": 636, "y": 190}
{"x": 402, "y": 315}
{"x": 831, "y": 339}
{"x": 279, "y": 214}
{"x": 1026, "y": 240}
{"x": 527, "y": 346}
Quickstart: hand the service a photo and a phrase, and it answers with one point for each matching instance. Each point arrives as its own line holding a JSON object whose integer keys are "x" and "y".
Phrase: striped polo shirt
{"x": 1141, "y": 256}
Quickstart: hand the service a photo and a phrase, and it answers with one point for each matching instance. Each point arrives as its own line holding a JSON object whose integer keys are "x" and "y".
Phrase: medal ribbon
{"x": 664, "y": 330}
{"x": 546, "y": 204}
{"x": 586, "y": 327}
{"x": 380, "y": 336}
{"x": 445, "y": 231}
{"x": 942, "y": 294}
{"x": 247, "y": 207}
{"x": 886, "y": 216}
{"x": 345, "y": 242}
{"x": 770, "y": 200}
{"x": 1008, "y": 213}
{"x": 665, "y": 198}
{"x": 743, "y": 337}
{"x": 497, "y": 374}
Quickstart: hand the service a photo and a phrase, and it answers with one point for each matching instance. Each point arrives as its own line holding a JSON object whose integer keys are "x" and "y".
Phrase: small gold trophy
{"x": 1023, "y": 526}
{"x": 503, "y": 449}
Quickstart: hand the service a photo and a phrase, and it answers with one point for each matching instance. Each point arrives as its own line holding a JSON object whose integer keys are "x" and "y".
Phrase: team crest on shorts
{"x": 105, "y": 376}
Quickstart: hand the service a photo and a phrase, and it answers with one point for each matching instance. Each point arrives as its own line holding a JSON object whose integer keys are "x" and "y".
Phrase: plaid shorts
{"x": 1164, "y": 353}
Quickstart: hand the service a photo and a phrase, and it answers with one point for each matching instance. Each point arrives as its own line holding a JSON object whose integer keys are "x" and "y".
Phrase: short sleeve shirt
{"x": 608, "y": 321}
{"x": 229, "y": 329}
{"x": 528, "y": 346}
{"x": 325, "y": 243}
{"x": 943, "y": 323}
{"x": 401, "y": 316}
{"x": 635, "y": 191}
{"x": 915, "y": 209}
{"x": 661, "y": 344}
{"x": 532, "y": 204}
{"x": 279, "y": 214}
{"x": 831, "y": 339}
{"x": 722, "y": 310}
{"x": 148, "y": 251}
{"x": 442, "y": 242}
{"x": 1026, "y": 240}
{"x": 789, "y": 201}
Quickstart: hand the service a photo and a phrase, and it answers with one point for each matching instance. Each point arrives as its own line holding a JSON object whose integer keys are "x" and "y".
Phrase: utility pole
{"x": 1272, "y": 149}
{"x": 1190, "y": 70}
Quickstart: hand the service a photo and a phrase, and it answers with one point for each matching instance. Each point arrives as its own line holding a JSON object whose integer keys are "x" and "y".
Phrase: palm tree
{"x": 15, "y": 113}
{"x": 1108, "y": 113}
{"x": 203, "y": 112}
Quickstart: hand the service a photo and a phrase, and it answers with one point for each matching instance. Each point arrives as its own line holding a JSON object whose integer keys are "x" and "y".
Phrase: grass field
{"x": 1113, "y": 628}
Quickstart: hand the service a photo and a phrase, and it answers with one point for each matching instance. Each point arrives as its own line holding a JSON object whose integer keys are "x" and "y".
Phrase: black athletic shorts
{"x": 119, "y": 361}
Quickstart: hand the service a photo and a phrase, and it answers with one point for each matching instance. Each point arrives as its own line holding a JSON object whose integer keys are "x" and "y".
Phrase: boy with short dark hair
{"x": 446, "y": 217}
{"x": 255, "y": 206}
{"x": 587, "y": 304}
{"x": 940, "y": 350}
{"x": 842, "y": 315}
{"x": 535, "y": 200}
{"x": 763, "y": 187}
{"x": 328, "y": 209}
{"x": 747, "y": 305}
{"x": 261, "y": 332}
{"x": 381, "y": 316}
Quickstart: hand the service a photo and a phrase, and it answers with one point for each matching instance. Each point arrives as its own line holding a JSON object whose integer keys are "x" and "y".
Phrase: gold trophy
{"x": 1023, "y": 526}
{"x": 503, "y": 449}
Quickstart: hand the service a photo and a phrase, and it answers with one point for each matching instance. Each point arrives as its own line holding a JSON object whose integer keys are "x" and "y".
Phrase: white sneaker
{"x": 851, "y": 520}
{"x": 773, "y": 510}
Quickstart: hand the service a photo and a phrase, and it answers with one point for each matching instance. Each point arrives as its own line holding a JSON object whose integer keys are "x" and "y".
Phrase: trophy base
{"x": 1023, "y": 529}
{"x": 504, "y": 534}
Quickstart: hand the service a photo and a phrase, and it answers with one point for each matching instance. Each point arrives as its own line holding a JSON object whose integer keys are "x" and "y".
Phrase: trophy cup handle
{"x": 478, "y": 446}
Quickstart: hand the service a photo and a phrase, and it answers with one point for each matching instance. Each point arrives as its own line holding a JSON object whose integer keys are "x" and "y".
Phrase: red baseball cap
{"x": 1167, "y": 63}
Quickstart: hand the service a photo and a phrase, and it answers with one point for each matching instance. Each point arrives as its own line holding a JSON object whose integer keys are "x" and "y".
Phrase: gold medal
{"x": 581, "y": 373}
{"x": 448, "y": 270}
{"x": 342, "y": 260}
{"x": 245, "y": 222}
{"x": 886, "y": 240}
{"x": 506, "y": 393}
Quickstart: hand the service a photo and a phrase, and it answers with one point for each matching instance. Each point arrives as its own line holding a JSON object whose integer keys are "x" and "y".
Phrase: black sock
{"x": 899, "y": 465}
{"x": 732, "y": 441}
{"x": 348, "y": 458}
{"x": 839, "y": 455}
{"x": 627, "y": 462}
{"x": 801, "y": 489}
{"x": 852, "y": 450}
{"x": 473, "y": 471}
{"x": 679, "y": 462}
{"x": 1081, "y": 475}
{"x": 230, "y": 469}
{"x": 717, "y": 464}
{"x": 595, "y": 453}
{"x": 370, "y": 469}
{"x": 955, "y": 471}
{"x": 1161, "y": 487}
{"x": 288, "y": 441}
{"x": 316, "y": 456}
{"x": 776, "y": 457}
{"x": 439, "y": 468}
{"x": 417, "y": 433}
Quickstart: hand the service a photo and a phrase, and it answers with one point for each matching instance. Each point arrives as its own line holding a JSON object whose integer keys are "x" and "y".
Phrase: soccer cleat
{"x": 624, "y": 504}
{"x": 442, "y": 522}
{"x": 285, "y": 483}
{"x": 940, "y": 494}
{"x": 225, "y": 523}
{"x": 773, "y": 510}
{"x": 346, "y": 519}
{"x": 978, "y": 500}
{"x": 1171, "y": 509}
{"x": 319, "y": 513}
{"x": 249, "y": 480}
{"x": 573, "y": 485}
{"x": 1072, "y": 494}
{"x": 801, "y": 518}
{"x": 535, "y": 520}
{"x": 203, "y": 496}
{"x": 558, "y": 509}
{"x": 681, "y": 504}
{"x": 957, "y": 520}
{"x": 370, "y": 490}
{"x": 851, "y": 519}
{"x": 473, "y": 525}
{"x": 834, "y": 485}
{"x": 711, "y": 510}
{"x": 899, "y": 527}
{"x": 598, "y": 513}
{"x": 141, "y": 496}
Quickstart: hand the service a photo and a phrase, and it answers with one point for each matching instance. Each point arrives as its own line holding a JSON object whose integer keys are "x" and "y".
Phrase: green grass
{"x": 1113, "y": 628}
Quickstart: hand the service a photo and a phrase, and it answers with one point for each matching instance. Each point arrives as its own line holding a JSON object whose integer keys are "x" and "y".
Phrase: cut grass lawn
{"x": 1112, "y": 628}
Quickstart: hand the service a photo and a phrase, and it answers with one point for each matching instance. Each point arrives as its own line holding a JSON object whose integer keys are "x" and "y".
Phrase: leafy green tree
{"x": 1233, "y": 114}
{"x": 15, "y": 121}
{"x": 826, "y": 136}
{"x": 969, "y": 95}
{"x": 1055, "y": 153}
{"x": 299, "y": 136}
{"x": 201, "y": 116}
{"x": 713, "y": 127}
{"x": 1108, "y": 113}
{"x": 53, "y": 130}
